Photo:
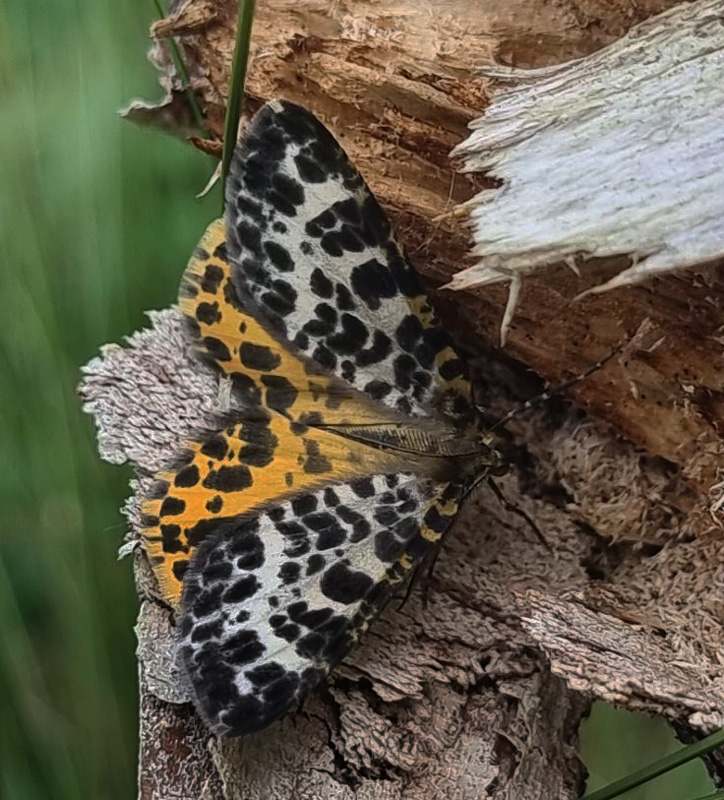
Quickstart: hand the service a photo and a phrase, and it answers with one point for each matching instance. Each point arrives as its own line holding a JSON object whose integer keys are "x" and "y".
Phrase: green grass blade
{"x": 236, "y": 84}
{"x": 659, "y": 767}
{"x": 184, "y": 73}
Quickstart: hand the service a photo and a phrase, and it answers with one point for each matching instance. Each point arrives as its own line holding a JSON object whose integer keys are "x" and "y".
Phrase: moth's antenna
{"x": 643, "y": 330}
{"x": 548, "y": 393}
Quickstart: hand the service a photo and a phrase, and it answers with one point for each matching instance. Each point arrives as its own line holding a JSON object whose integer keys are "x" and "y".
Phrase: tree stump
{"x": 475, "y": 687}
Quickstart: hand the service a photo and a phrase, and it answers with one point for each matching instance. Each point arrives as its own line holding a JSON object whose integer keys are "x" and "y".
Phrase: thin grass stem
{"x": 184, "y": 73}
{"x": 659, "y": 767}
{"x": 236, "y": 84}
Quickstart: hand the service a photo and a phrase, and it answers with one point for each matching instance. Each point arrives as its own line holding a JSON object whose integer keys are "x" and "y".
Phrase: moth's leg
{"x": 422, "y": 576}
{"x": 508, "y": 506}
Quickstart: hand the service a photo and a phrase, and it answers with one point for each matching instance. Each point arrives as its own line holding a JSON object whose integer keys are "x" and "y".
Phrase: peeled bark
{"x": 475, "y": 687}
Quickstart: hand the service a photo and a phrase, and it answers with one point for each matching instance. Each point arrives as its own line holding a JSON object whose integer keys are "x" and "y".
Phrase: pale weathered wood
{"x": 620, "y": 153}
{"x": 479, "y": 693}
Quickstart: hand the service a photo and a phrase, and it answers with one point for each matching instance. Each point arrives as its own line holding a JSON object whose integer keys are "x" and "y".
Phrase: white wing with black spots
{"x": 273, "y": 600}
{"x": 313, "y": 255}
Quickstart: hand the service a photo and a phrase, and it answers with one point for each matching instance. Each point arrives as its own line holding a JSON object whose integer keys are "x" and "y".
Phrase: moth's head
{"x": 491, "y": 458}
{"x": 482, "y": 455}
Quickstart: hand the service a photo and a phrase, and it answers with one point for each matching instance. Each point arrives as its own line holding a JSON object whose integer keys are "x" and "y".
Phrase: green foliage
{"x": 97, "y": 219}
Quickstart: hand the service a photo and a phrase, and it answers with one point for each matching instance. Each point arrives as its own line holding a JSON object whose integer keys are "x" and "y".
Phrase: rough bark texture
{"x": 476, "y": 686}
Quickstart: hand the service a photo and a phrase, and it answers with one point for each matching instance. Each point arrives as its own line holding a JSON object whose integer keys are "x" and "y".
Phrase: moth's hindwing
{"x": 262, "y": 370}
{"x": 258, "y": 460}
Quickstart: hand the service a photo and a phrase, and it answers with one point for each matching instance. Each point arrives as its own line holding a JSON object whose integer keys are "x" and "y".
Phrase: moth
{"x": 279, "y": 536}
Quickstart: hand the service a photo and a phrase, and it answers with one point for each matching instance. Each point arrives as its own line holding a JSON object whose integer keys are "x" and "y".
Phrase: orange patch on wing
{"x": 208, "y": 300}
{"x": 242, "y": 468}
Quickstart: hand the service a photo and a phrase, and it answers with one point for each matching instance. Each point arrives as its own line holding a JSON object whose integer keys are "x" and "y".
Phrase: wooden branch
{"x": 397, "y": 85}
{"x": 480, "y": 691}
{"x": 450, "y": 691}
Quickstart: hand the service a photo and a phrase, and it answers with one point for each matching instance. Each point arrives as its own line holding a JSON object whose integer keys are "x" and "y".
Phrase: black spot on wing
{"x": 280, "y": 392}
{"x": 345, "y": 585}
{"x": 363, "y": 487}
{"x": 320, "y": 284}
{"x": 279, "y": 256}
{"x": 352, "y": 337}
{"x": 291, "y": 188}
{"x": 228, "y": 479}
{"x": 170, "y": 539}
{"x": 451, "y": 369}
{"x": 215, "y": 504}
{"x": 304, "y": 504}
{"x": 179, "y": 569}
{"x": 409, "y": 332}
{"x": 258, "y": 357}
{"x": 172, "y": 506}
{"x": 243, "y": 589}
{"x": 315, "y": 564}
{"x": 215, "y": 447}
{"x": 213, "y": 275}
{"x": 309, "y": 171}
{"x": 377, "y": 389}
{"x": 381, "y": 347}
{"x": 388, "y": 547}
{"x": 265, "y": 674}
{"x": 232, "y": 298}
{"x": 246, "y": 389}
{"x": 325, "y": 357}
{"x": 187, "y": 477}
{"x": 208, "y": 313}
{"x": 372, "y": 282}
{"x": 243, "y": 648}
{"x": 329, "y": 532}
{"x": 259, "y": 442}
{"x": 249, "y": 235}
{"x": 315, "y": 462}
{"x": 216, "y": 348}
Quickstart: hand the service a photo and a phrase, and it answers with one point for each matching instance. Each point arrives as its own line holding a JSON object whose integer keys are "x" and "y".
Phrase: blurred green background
{"x": 97, "y": 219}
